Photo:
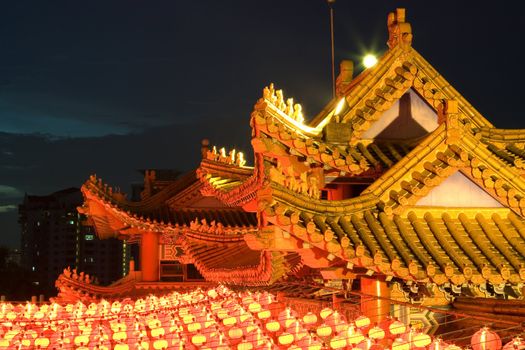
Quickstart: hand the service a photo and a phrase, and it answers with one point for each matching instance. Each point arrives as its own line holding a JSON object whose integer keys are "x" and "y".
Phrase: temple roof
{"x": 172, "y": 208}
{"x": 429, "y": 190}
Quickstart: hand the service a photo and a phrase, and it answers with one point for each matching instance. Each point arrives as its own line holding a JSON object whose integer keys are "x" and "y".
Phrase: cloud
{"x": 10, "y": 192}
{"x": 7, "y": 208}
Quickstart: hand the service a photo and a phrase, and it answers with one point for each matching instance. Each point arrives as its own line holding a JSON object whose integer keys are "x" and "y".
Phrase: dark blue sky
{"x": 109, "y": 87}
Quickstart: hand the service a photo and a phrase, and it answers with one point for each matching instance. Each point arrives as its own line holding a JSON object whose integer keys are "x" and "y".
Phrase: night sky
{"x": 109, "y": 87}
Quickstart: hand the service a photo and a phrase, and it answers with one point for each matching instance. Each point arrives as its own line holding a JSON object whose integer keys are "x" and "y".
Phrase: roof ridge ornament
{"x": 287, "y": 106}
{"x": 449, "y": 114}
{"x": 346, "y": 72}
{"x": 399, "y": 31}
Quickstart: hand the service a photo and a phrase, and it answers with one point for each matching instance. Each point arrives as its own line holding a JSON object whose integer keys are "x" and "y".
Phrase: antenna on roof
{"x": 331, "y": 6}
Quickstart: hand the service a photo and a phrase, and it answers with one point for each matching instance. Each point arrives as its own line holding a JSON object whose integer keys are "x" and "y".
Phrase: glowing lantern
{"x": 286, "y": 339}
{"x": 309, "y": 343}
{"x": 117, "y": 326}
{"x": 338, "y": 342}
{"x": 266, "y": 299}
{"x": 324, "y": 331}
{"x": 256, "y": 337}
{"x": 119, "y": 346}
{"x": 485, "y": 339}
{"x": 326, "y": 312}
{"x": 235, "y": 333}
{"x": 296, "y": 330}
{"x": 245, "y": 317}
{"x": 354, "y": 336}
{"x": 10, "y": 334}
{"x": 249, "y": 328}
{"x": 254, "y": 307}
{"x": 362, "y": 322}
{"x": 210, "y": 323}
{"x": 183, "y": 311}
{"x": 212, "y": 293}
{"x": 437, "y": 344}
{"x": 376, "y": 332}
{"x": 116, "y": 307}
{"x": 198, "y": 339}
{"x": 194, "y": 327}
{"x": 229, "y": 321}
{"x": 38, "y": 315}
{"x": 366, "y": 344}
{"x": 515, "y": 344}
{"x": 222, "y": 314}
{"x": 453, "y": 347}
{"x": 309, "y": 319}
{"x": 369, "y": 345}
{"x": 287, "y": 316}
{"x": 396, "y": 328}
{"x": 79, "y": 340}
{"x": 217, "y": 341}
{"x": 244, "y": 346}
{"x": 40, "y": 342}
{"x": 336, "y": 321}
{"x": 155, "y": 332}
{"x": 318, "y": 346}
{"x": 264, "y": 314}
{"x": 25, "y": 343}
{"x": 400, "y": 344}
{"x": 273, "y": 326}
{"x": 421, "y": 340}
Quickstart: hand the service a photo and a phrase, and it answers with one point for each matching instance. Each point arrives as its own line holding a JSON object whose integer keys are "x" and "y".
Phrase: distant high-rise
{"x": 54, "y": 237}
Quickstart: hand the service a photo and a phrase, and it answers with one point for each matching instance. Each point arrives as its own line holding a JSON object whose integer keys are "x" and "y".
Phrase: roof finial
{"x": 346, "y": 72}
{"x": 205, "y": 143}
{"x": 399, "y": 31}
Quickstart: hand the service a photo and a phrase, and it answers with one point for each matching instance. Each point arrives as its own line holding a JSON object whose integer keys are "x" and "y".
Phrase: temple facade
{"x": 399, "y": 189}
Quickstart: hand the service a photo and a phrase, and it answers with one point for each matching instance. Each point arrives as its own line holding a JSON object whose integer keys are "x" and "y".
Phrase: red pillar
{"x": 149, "y": 256}
{"x": 373, "y": 305}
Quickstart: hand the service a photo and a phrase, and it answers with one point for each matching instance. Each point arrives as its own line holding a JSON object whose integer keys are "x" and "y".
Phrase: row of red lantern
{"x": 230, "y": 308}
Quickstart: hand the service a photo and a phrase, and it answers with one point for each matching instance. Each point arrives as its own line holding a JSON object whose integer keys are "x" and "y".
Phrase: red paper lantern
{"x": 438, "y": 344}
{"x": 376, "y": 332}
{"x": 354, "y": 336}
{"x": 453, "y": 347}
{"x": 400, "y": 344}
{"x": 515, "y": 344}
{"x": 485, "y": 339}
{"x": 286, "y": 339}
{"x": 396, "y": 328}
{"x": 309, "y": 319}
{"x": 324, "y": 331}
{"x": 362, "y": 322}
{"x": 326, "y": 312}
{"x": 421, "y": 340}
{"x": 338, "y": 342}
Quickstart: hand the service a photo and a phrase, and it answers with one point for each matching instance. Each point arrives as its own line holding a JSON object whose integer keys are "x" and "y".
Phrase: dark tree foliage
{"x": 16, "y": 281}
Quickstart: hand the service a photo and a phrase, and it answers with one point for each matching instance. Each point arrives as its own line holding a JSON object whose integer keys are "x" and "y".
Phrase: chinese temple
{"x": 399, "y": 189}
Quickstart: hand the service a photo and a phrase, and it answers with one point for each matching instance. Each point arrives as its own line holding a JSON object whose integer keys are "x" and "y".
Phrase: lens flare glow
{"x": 369, "y": 60}
{"x": 340, "y": 106}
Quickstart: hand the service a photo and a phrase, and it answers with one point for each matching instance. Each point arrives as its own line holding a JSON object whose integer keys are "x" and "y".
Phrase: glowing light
{"x": 340, "y": 106}
{"x": 369, "y": 60}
